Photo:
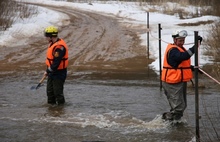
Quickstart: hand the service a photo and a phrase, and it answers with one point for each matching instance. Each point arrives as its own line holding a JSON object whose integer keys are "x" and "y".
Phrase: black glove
{"x": 48, "y": 71}
{"x": 200, "y": 39}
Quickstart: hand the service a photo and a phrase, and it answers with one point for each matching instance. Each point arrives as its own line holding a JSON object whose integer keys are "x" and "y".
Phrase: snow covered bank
{"x": 126, "y": 11}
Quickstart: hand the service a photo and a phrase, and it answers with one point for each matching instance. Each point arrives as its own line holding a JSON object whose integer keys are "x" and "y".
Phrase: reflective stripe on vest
{"x": 182, "y": 73}
{"x": 50, "y": 54}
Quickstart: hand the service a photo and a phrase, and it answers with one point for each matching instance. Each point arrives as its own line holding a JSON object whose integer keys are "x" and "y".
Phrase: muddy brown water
{"x": 106, "y": 100}
{"x": 111, "y": 110}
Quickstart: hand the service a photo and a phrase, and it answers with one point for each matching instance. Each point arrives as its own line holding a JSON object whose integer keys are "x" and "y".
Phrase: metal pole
{"x": 196, "y": 87}
{"x": 148, "y": 46}
{"x": 159, "y": 29}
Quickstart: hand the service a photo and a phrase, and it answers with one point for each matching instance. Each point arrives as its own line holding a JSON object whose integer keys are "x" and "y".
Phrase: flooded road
{"x": 110, "y": 110}
{"x": 111, "y": 93}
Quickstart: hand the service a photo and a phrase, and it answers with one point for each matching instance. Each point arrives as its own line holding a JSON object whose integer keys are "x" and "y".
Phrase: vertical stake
{"x": 196, "y": 87}
{"x": 148, "y": 27}
{"x": 159, "y": 29}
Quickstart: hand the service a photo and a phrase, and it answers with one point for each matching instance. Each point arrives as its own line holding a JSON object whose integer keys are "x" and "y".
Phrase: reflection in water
{"x": 56, "y": 110}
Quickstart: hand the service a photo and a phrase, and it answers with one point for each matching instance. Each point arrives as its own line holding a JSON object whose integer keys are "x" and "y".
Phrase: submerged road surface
{"x": 111, "y": 93}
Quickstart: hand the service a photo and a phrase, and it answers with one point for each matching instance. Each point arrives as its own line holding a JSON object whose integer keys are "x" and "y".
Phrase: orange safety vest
{"x": 50, "y": 54}
{"x": 182, "y": 73}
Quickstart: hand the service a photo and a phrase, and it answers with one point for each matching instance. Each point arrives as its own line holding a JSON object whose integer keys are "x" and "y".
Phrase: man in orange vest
{"x": 57, "y": 62}
{"x": 176, "y": 72}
